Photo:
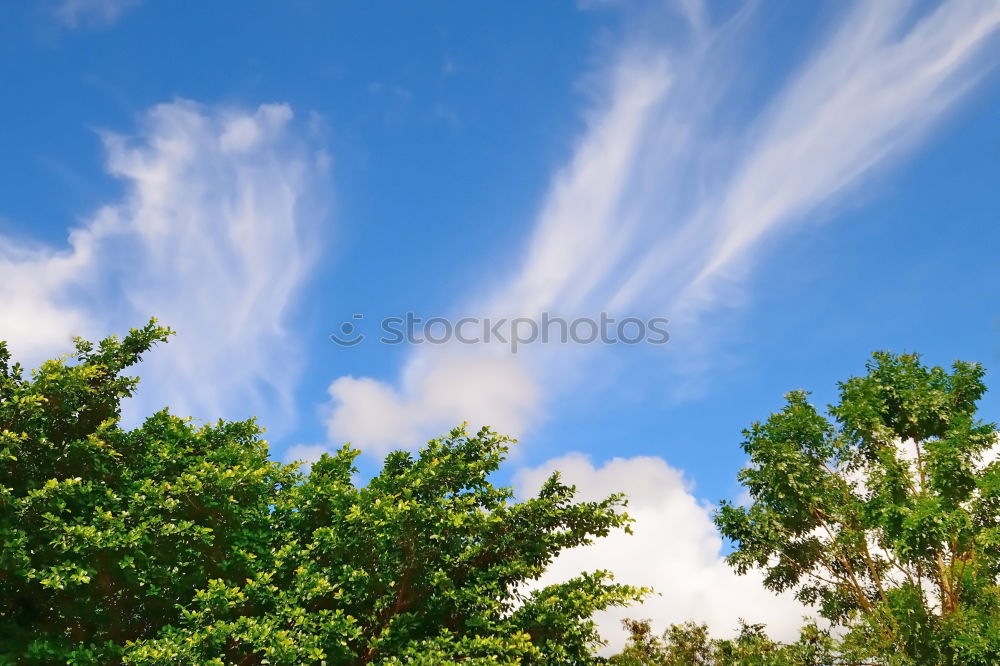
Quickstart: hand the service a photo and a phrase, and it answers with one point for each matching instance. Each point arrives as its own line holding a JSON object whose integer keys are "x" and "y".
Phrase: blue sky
{"x": 794, "y": 185}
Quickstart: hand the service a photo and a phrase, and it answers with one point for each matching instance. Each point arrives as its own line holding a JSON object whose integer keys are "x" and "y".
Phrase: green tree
{"x": 885, "y": 515}
{"x": 174, "y": 543}
{"x": 691, "y": 644}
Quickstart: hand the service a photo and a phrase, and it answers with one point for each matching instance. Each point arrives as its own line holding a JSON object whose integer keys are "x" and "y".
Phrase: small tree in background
{"x": 172, "y": 543}
{"x": 691, "y": 644}
{"x": 885, "y": 515}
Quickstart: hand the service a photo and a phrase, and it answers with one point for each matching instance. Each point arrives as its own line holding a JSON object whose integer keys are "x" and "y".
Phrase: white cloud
{"x": 484, "y": 384}
{"x": 867, "y": 97}
{"x": 675, "y": 549}
{"x": 306, "y": 453}
{"x": 437, "y": 392}
{"x": 79, "y": 13}
{"x": 38, "y": 317}
{"x": 668, "y": 192}
{"x": 213, "y": 235}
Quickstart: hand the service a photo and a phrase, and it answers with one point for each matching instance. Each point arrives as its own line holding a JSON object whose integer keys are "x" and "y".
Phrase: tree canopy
{"x": 885, "y": 514}
{"x": 691, "y": 644}
{"x": 178, "y": 543}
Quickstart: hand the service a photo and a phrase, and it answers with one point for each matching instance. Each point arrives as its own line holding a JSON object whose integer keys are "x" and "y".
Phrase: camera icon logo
{"x": 349, "y": 335}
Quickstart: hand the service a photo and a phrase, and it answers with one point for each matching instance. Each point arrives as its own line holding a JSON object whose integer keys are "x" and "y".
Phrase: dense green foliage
{"x": 177, "y": 544}
{"x": 690, "y": 644}
{"x": 886, "y": 515}
{"x": 173, "y": 543}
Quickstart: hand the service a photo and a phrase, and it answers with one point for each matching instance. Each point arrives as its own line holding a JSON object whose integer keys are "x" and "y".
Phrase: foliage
{"x": 690, "y": 644}
{"x": 173, "y": 543}
{"x": 884, "y": 515}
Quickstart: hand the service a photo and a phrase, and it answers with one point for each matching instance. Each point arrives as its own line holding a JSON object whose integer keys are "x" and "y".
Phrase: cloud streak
{"x": 669, "y": 192}
{"x": 868, "y": 96}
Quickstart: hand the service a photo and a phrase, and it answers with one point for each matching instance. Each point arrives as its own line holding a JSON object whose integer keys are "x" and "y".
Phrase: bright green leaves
{"x": 886, "y": 516}
{"x": 690, "y": 644}
{"x": 172, "y": 543}
{"x": 795, "y": 482}
{"x": 900, "y": 399}
{"x": 107, "y": 533}
{"x": 429, "y": 553}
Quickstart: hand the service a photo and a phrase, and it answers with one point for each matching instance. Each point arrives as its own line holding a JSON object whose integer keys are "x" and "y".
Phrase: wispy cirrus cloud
{"x": 880, "y": 83}
{"x": 213, "y": 235}
{"x": 486, "y": 384}
{"x": 669, "y": 190}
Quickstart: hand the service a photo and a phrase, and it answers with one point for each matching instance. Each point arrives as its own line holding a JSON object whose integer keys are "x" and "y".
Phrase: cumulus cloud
{"x": 212, "y": 235}
{"x": 670, "y": 189}
{"x": 437, "y": 388}
{"x": 675, "y": 549}
{"x": 305, "y": 453}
